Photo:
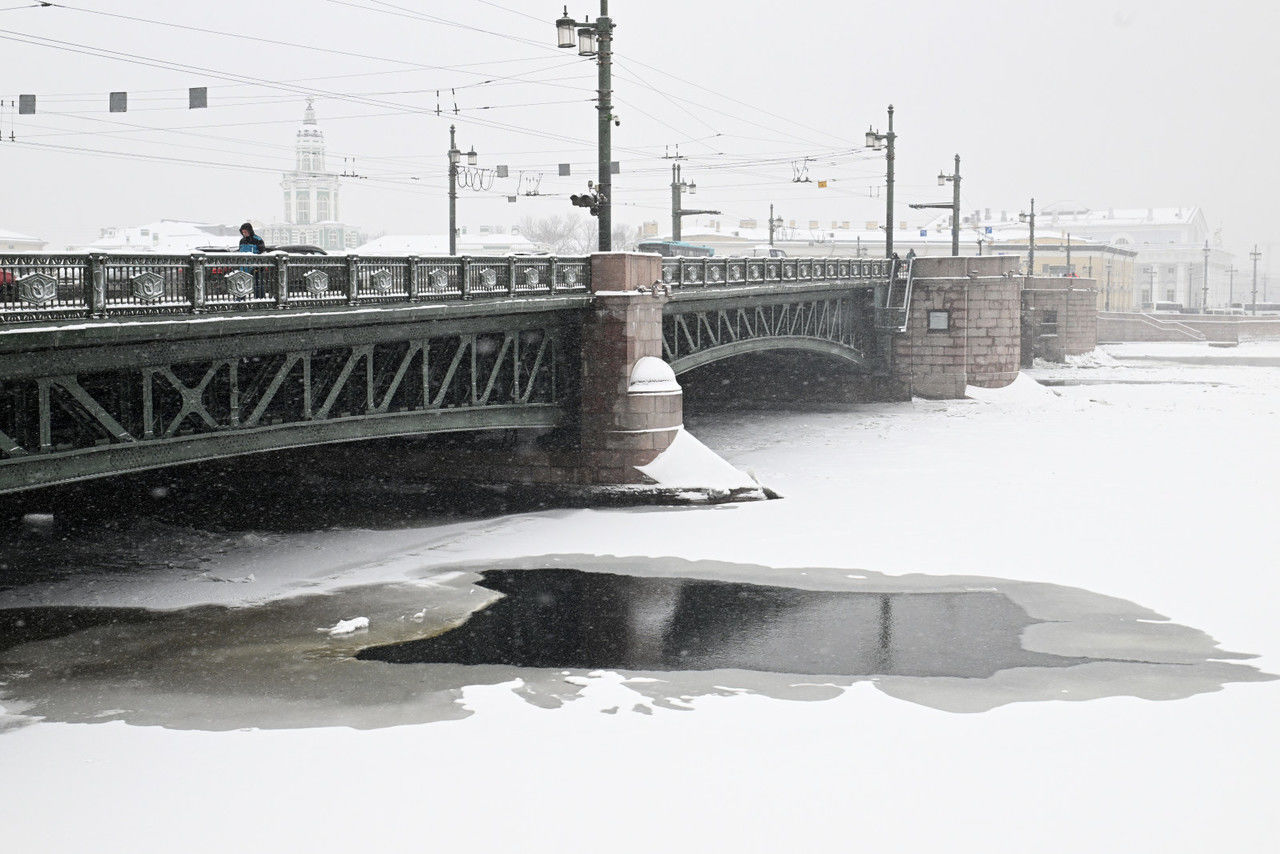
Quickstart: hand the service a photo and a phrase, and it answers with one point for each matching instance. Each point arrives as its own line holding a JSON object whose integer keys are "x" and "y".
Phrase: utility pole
{"x": 874, "y": 140}
{"x": 1204, "y": 303}
{"x": 1255, "y": 255}
{"x": 1068, "y": 253}
{"x": 953, "y": 206}
{"x": 604, "y": 176}
{"x": 1152, "y": 271}
{"x": 596, "y": 39}
{"x": 1031, "y": 240}
{"x": 1231, "y": 284}
{"x": 774, "y": 222}
{"x": 1106, "y": 293}
{"x": 454, "y": 154}
{"x": 677, "y": 212}
{"x": 955, "y": 209}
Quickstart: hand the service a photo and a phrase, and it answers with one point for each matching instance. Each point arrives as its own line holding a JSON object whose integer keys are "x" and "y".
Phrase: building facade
{"x": 1170, "y": 246}
{"x": 312, "y": 214}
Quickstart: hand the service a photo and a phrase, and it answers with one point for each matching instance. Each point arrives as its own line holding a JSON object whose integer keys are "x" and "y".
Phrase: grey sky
{"x": 1095, "y": 103}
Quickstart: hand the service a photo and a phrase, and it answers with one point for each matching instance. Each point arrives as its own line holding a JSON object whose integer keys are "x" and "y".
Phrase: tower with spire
{"x": 311, "y": 211}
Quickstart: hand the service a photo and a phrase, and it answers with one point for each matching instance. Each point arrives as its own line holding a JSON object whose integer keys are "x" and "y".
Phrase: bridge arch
{"x": 733, "y": 349}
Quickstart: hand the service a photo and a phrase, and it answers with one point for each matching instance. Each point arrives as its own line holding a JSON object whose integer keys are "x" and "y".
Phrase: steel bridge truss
{"x": 66, "y": 427}
{"x": 834, "y": 324}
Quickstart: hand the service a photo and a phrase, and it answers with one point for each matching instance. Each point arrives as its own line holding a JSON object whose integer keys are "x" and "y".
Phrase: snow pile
{"x": 1093, "y": 359}
{"x": 346, "y": 627}
{"x": 689, "y": 464}
{"x": 1023, "y": 391}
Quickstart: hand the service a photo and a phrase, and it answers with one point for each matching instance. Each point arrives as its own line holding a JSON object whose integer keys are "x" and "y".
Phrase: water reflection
{"x": 564, "y": 618}
{"x": 550, "y": 627}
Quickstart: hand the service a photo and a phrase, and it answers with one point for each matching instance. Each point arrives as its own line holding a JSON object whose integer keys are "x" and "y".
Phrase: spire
{"x": 309, "y": 118}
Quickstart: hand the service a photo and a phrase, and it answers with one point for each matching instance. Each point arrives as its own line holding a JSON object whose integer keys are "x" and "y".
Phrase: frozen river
{"x": 1040, "y": 619}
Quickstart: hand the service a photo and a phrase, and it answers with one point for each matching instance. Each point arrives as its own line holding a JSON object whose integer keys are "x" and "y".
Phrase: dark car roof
{"x": 292, "y": 248}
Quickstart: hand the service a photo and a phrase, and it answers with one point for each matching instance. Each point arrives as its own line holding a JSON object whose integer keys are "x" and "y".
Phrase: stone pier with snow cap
{"x": 631, "y": 404}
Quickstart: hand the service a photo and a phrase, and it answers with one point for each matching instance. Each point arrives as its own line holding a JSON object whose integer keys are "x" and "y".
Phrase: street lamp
{"x": 455, "y": 157}
{"x": 677, "y": 212}
{"x": 954, "y": 178}
{"x": 876, "y": 141}
{"x": 1231, "y": 285}
{"x": 1204, "y": 303}
{"x": 1255, "y": 255}
{"x": 954, "y": 205}
{"x": 596, "y": 39}
{"x": 774, "y": 222}
{"x": 1031, "y": 240}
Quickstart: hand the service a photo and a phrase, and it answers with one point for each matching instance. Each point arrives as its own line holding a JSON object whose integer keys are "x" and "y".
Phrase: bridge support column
{"x": 631, "y": 407}
{"x": 963, "y": 327}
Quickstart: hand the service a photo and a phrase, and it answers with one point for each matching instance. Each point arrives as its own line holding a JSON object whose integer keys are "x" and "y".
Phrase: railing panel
{"x": 235, "y": 281}
{"x": 43, "y": 287}
{"x": 317, "y": 280}
{"x": 573, "y": 274}
{"x": 532, "y": 275}
{"x": 440, "y": 278}
{"x": 145, "y": 284}
{"x": 488, "y": 276}
{"x": 381, "y": 279}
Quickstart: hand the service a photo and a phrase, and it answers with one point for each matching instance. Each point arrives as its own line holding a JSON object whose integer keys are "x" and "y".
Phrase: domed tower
{"x": 310, "y": 193}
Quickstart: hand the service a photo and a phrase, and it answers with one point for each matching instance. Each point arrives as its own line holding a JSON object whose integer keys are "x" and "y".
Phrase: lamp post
{"x": 954, "y": 178}
{"x": 774, "y": 222}
{"x": 876, "y": 141}
{"x": 953, "y": 205}
{"x": 1031, "y": 240}
{"x": 1204, "y": 302}
{"x": 1151, "y": 271}
{"x": 596, "y": 39}
{"x": 454, "y": 157}
{"x": 677, "y": 212}
{"x": 1231, "y": 285}
{"x": 1255, "y": 255}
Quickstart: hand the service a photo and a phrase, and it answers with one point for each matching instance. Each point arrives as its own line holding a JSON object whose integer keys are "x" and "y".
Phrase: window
{"x": 304, "y": 208}
{"x": 288, "y": 198}
{"x": 939, "y": 320}
{"x": 322, "y": 206}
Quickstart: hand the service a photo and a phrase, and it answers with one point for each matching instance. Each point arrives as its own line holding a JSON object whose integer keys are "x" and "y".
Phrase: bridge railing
{"x": 731, "y": 272}
{"x": 36, "y": 287}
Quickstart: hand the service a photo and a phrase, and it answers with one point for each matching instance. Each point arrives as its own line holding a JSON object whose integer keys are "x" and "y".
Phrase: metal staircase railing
{"x": 892, "y": 315}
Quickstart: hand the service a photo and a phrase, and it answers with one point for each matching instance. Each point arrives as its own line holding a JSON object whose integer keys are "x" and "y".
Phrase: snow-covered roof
{"x": 163, "y": 236}
{"x": 438, "y": 244}
{"x": 15, "y": 237}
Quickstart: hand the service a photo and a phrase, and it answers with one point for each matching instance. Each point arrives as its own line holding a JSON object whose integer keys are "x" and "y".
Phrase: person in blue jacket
{"x": 252, "y": 243}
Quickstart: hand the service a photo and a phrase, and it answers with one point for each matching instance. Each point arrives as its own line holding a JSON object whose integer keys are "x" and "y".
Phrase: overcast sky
{"x": 1090, "y": 103}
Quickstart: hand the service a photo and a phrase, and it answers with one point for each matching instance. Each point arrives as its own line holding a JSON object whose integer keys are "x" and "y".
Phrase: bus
{"x": 676, "y": 249}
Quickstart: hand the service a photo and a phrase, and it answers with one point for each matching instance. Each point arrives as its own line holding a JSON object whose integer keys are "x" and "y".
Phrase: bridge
{"x": 119, "y": 363}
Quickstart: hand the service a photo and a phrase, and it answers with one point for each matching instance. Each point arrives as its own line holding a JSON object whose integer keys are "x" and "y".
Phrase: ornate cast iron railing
{"x": 737, "y": 272}
{"x": 54, "y": 286}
